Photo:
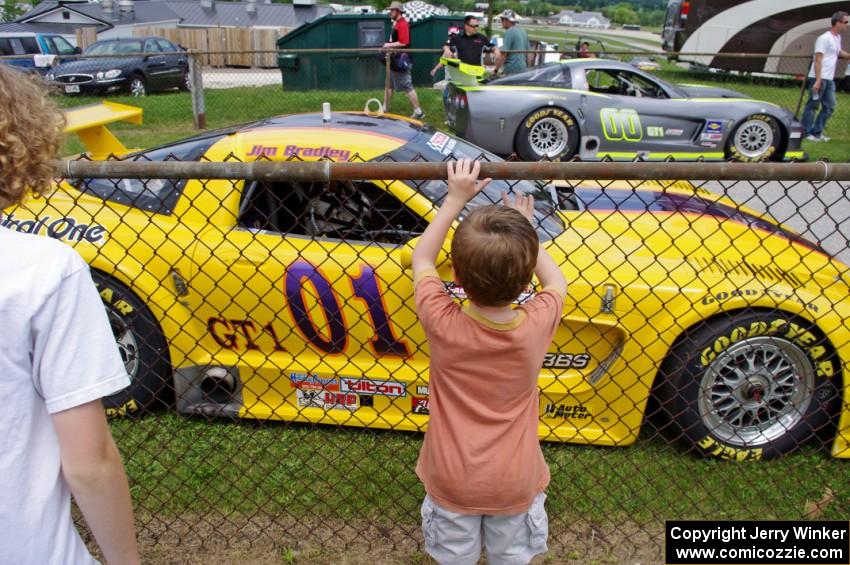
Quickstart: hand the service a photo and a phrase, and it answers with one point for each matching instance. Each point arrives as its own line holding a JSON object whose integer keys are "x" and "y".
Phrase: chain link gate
{"x": 280, "y": 376}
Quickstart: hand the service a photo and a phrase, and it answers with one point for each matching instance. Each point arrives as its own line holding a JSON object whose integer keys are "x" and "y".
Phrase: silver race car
{"x": 597, "y": 109}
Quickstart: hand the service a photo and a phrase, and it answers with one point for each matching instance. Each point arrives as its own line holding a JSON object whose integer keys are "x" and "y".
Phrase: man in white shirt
{"x": 821, "y": 78}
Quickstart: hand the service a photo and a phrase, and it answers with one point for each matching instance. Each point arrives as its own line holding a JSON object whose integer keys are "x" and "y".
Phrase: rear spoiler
{"x": 89, "y": 123}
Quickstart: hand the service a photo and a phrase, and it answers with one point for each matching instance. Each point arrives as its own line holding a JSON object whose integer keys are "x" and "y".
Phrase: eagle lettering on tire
{"x": 751, "y": 386}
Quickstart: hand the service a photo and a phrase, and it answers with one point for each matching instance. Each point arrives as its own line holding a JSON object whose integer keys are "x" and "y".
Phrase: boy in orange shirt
{"x": 481, "y": 461}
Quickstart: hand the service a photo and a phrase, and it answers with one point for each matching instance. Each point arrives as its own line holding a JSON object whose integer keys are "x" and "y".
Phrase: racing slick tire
{"x": 756, "y": 138}
{"x": 142, "y": 347}
{"x": 750, "y": 386}
{"x": 137, "y": 86}
{"x": 547, "y": 133}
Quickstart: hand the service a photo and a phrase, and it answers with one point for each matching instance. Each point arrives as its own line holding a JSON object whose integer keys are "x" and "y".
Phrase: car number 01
{"x": 366, "y": 288}
{"x": 621, "y": 124}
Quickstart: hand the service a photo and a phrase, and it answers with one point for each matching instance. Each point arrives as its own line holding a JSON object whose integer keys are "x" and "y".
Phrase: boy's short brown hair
{"x": 31, "y": 129}
{"x": 494, "y": 252}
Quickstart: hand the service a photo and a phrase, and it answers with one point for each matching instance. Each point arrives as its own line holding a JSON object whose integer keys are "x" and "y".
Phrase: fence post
{"x": 197, "y": 79}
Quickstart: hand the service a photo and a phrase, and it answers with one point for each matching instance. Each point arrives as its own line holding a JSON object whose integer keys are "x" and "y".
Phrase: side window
{"x": 6, "y": 47}
{"x": 166, "y": 46}
{"x": 353, "y": 211}
{"x": 30, "y": 45}
{"x": 599, "y": 80}
{"x": 151, "y": 46}
{"x": 633, "y": 84}
{"x": 62, "y": 46}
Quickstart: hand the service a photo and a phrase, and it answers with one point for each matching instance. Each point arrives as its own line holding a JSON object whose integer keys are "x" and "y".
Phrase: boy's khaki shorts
{"x": 510, "y": 540}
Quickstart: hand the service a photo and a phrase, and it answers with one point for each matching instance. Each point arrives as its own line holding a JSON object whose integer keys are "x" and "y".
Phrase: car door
{"x": 308, "y": 296}
{"x": 176, "y": 66}
{"x": 636, "y": 117}
{"x": 155, "y": 65}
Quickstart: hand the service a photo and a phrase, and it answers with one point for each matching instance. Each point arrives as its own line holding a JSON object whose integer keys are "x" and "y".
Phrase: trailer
{"x": 702, "y": 31}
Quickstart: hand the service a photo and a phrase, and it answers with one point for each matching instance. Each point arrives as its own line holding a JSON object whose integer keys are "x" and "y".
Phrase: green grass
{"x": 178, "y": 465}
{"x": 168, "y": 117}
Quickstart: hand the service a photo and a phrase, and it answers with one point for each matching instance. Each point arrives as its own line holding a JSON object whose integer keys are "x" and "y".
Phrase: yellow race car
{"x": 293, "y": 300}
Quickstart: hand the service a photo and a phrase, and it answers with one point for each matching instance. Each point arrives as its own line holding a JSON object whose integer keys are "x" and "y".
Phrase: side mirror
{"x": 77, "y": 50}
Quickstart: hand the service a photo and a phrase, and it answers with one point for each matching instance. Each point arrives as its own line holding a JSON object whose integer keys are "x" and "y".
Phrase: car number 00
{"x": 621, "y": 124}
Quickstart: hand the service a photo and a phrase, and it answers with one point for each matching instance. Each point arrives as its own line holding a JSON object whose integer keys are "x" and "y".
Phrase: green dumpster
{"x": 347, "y": 69}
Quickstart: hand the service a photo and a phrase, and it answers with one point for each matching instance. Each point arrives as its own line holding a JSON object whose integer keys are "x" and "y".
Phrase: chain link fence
{"x": 280, "y": 376}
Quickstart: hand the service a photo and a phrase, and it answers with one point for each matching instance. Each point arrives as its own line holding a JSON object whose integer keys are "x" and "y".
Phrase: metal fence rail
{"x": 280, "y": 376}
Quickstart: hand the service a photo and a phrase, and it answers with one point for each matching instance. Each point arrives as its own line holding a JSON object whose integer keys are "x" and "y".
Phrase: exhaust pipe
{"x": 218, "y": 385}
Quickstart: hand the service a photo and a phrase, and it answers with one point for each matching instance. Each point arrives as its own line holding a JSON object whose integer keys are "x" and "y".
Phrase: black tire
{"x": 143, "y": 350}
{"x": 137, "y": 86}
{"x": 547, "y": 133}
{"x": 185, "y": 82}
{"x": 756, "y": 138}
{"x": 750, "y": 386}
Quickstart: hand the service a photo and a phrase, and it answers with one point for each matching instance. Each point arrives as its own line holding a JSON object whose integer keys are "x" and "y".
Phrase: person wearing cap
{"x": 515, "y": 40}
{"x": 469, "y": 46}
{"x": 400, "y": 39}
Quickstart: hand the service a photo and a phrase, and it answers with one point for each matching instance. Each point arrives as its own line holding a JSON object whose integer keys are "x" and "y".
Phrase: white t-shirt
{"x": 57, "y": 351}
{"x": 830, "y": 45}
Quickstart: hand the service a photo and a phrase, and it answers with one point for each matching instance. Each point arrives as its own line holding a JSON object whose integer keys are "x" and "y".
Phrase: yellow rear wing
{"x": 89, "y": 123}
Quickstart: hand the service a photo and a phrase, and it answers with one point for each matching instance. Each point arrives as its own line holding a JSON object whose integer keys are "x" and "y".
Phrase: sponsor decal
{"x": 326, "y": 400}
{"x": 715, "y": 126}
{"x": 655, "y": 131}
{"x": 708, "y": 144}
{"x": 313, "y": 381}
{"x": 712, "y": 136}
{"x": 369, "y": 386}
{"x": 66, "y": 228}
{"x": 419, "y": 404}
{"x": 566, "y": 411}
{"x": 299, "y": 151}
{"x": 442, "y": 143}
{"x": 673, "y": 132}
{"x": 422, "y": 390}
{"x": 566, "y": 360}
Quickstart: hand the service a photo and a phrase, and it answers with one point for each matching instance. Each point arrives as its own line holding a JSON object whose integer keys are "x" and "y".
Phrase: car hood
{"x": 694, "y": 91}
{"x": 98, "y": 64}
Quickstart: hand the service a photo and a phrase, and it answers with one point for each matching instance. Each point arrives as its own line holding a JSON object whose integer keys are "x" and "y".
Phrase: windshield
{"x": 434, "y": 146}
{"x": 153, "y": 195}
{"x": 554, "y": 73}
{"x": 114, "y": 48}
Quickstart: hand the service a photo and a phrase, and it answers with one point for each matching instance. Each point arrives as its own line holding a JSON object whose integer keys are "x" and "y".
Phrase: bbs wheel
{"x": 142, "y": 347}
{"x": 755, "y": 139}
{"x": 752, "y": 386}
{"x": 137, "y": 86}
{"x": 547, "y": 133}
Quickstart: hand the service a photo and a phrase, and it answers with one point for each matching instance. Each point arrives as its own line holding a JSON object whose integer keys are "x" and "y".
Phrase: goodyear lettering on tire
{"x": 779, "y": 327}
{"x": 549, "y": 112}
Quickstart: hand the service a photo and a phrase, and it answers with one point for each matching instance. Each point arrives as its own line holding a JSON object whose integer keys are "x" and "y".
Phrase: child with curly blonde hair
{"x": 58, "y": 357}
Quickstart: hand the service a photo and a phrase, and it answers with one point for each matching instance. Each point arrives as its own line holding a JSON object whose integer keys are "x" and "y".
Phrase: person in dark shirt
{"x": 468, "y": 46}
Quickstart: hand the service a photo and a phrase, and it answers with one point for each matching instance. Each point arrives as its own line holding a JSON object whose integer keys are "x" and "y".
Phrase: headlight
{"x": 112, "y": 73}
{"x": 50, "y": 75}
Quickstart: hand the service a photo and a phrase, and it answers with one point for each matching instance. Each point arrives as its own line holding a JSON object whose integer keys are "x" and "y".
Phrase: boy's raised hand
{"x": 522, "y": 203}
{"x": 463, "y": 180}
